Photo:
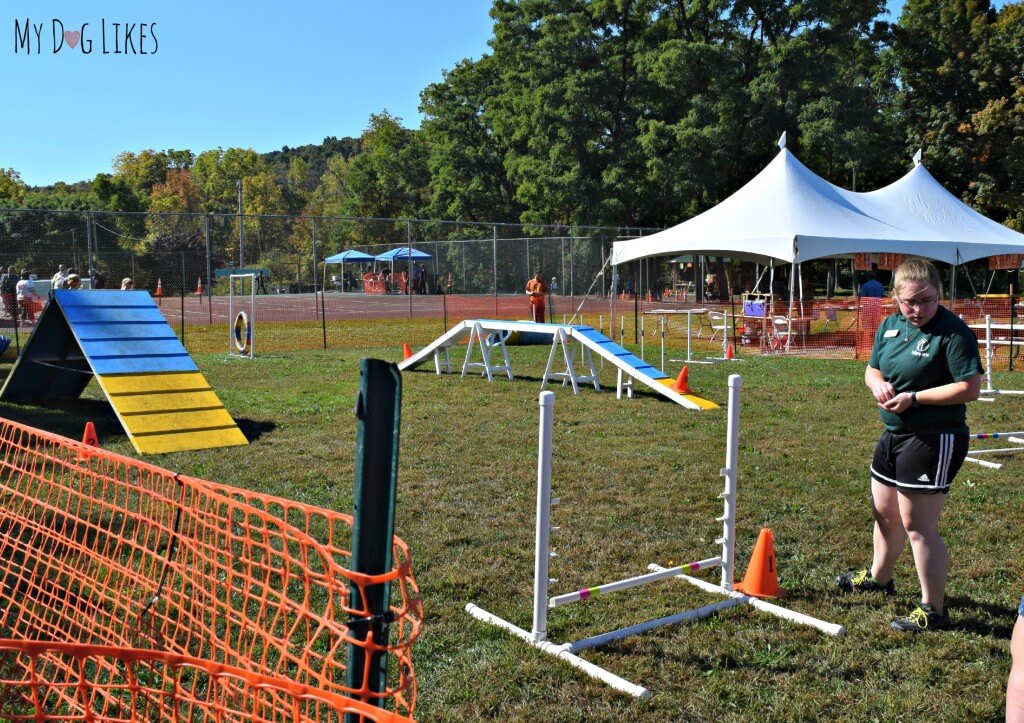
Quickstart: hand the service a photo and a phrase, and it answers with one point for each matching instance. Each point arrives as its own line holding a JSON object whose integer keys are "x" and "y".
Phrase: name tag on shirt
{"x": 891, "y": 333}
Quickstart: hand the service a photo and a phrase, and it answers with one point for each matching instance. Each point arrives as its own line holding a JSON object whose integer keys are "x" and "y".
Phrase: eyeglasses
{"x": 917, "y": 303}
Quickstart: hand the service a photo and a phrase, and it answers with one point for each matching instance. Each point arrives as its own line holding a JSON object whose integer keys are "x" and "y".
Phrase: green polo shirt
{"x": 913, "y": 359}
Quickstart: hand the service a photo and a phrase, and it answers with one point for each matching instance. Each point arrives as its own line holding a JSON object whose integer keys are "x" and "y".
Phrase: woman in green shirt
{"x": 923, "y": 369}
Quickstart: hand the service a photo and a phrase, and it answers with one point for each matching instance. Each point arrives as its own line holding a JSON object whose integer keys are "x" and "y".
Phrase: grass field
{"x": 638, "y": 480}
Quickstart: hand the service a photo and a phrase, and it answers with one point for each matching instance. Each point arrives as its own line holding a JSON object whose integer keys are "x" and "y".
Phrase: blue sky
{"x": 261, "y": 75}
{"x": 257, "y": 75}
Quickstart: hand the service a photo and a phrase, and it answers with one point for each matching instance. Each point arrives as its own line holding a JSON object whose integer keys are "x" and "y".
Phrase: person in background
{"x": 28, "y": 298}
{"x": 127, "y": 284}
{"x": 450, "y": 283}
{"x": 872, "y": 288}
{"x": 74, "y": 281}
{"x": 923, "y": 370}
{"x": 99, "y": 280}
{"x": 417, "y": 278}
{"x": 554, "y": 285}
{"x": 9, "y": 291}
{"x": 1015, "y": 683}
{"x": 421, "y": 283}
{"x": 536, "y": 289}
{"x": 59, "y": 280}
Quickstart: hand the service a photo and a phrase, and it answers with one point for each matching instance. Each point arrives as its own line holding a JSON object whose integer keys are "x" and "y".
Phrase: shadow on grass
{"x": 71, "y": 423}
{"x": 253, "y": 429}
{"x": 970, "y": 616}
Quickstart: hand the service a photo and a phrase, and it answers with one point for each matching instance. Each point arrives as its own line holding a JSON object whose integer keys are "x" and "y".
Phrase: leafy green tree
{"x": 218, "y": 172}
{"x": 12, "y": 188}
{"x": 142, "y": 170}
{"x": 390, "y": 178}
{"x": 466, "y": 161}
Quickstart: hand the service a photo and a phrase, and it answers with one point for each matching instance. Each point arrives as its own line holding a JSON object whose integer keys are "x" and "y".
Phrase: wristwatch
{"x": 913, "y": 400}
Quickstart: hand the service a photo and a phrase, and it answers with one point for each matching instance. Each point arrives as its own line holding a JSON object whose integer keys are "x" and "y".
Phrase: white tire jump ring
{"x": 242, "y": 333}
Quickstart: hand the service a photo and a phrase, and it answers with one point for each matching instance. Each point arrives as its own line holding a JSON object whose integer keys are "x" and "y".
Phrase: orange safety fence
{"x": 98, "y": 549}
{"x": 42, "y": 681}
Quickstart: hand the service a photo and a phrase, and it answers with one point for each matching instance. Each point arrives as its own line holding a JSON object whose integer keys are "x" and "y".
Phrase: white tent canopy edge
{"x": 790, "y": 214}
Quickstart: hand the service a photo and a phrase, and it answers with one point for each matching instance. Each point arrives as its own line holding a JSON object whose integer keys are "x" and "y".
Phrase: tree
{"x": 218, "y": 172}
{"x": 466, "y": 157}
{"x": 142, "y": 170}
{"x": 390, "y": 178}
{"x": 12, "y": 189}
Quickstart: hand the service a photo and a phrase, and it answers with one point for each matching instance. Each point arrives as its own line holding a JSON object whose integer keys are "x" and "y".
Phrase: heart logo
{"x": 71, "y": 37}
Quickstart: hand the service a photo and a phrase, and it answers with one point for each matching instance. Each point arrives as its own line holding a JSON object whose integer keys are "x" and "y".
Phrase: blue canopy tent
{"x": 404, "y": 253}
{"x": 351, "y": 256}
{"x": 408, "y": 255}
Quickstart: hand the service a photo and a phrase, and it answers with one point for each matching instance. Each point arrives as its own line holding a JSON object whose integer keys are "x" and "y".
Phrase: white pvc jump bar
{"x": 588, "y": 592}
{"x": 777, "y": 610}
{"x": 983, "y": 462}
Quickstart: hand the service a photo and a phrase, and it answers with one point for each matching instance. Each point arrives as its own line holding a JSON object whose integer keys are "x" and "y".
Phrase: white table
{"x": 689, "y": 317}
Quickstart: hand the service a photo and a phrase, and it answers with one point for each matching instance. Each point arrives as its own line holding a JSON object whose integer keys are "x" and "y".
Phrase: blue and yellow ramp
{"x": 158, "y": 393}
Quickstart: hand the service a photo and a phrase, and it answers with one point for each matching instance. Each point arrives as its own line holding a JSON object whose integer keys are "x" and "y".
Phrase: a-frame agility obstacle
{"x": 158, "y": 393}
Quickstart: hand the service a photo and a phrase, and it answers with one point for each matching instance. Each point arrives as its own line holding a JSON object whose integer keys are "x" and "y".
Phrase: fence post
{"x": 378, "y": 415}
{"x": 313, "y": 232}
{"x": 408, "y": 263}
{"x": 88, "y": 242}
{"x": 209, "y": 270}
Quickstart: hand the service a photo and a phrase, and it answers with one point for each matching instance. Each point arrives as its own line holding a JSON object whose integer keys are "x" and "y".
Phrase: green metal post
{"x": 378, "y": 411}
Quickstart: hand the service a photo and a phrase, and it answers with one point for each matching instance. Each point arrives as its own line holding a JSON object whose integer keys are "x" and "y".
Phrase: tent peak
{"x": 917, "y": 158}
{"x": 782, "y": 141}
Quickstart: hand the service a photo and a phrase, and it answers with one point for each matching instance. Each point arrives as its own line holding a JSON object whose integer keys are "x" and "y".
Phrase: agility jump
{"x": 569, "y": 652}
{"x": 241, "y": 341}
{"x": 989, "y": 392}
{"x": 575, "y": 345}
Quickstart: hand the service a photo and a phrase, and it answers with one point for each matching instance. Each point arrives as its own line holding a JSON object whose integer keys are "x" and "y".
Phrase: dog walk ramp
{"x": 489, "y": 335}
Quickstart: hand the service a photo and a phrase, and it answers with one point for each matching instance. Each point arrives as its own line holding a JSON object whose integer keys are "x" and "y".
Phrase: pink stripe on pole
{"x": 584, "y": 594}
{"x": 694, "y": 566}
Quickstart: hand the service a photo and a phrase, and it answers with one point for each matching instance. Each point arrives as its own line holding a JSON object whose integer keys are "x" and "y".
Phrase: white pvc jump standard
{"x": 537, "y": 635}
{"x": 990, "y": 343}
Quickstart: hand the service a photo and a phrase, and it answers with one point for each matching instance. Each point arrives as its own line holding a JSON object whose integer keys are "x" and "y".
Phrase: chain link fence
{"x": 456, "y": 270}
{"x": 445, "y": 272}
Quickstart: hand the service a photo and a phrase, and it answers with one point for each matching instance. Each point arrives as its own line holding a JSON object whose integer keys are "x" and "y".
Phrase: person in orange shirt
{"x": 536, "y": 289}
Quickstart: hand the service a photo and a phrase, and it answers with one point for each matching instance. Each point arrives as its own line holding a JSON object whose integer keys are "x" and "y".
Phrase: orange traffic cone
{"x": 762, "y": 579}
{"x": 729, "y": 353}
{"x": 406, "y": 350}
{"x": 199, "y": 286}
{"x": 159, "y": 290}
{"x": 89, "y": 437}
{"x": 682, "y": 385}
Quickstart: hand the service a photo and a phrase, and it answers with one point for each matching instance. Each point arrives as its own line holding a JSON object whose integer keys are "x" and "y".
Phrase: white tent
{"x": 790, "y": 214}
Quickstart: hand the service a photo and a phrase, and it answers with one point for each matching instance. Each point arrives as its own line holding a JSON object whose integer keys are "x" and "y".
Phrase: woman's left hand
{"x": 898, "y": 404}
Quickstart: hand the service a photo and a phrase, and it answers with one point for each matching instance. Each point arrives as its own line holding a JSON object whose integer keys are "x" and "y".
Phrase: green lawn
{"x": 638, "y": 481}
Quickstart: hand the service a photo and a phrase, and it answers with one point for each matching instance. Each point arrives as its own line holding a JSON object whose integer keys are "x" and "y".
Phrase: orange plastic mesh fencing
{"x": 822, "y": 328}
{"x": 104, "y": 550}
{"x": 42, "y": 681}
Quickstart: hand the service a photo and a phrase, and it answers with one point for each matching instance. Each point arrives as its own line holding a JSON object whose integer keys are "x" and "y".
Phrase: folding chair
{"x": 719, "y": 321}
{"x": 782, "y": 334}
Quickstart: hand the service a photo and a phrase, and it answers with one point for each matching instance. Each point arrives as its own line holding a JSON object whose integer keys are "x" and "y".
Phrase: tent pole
{"x": 792, "y": 284}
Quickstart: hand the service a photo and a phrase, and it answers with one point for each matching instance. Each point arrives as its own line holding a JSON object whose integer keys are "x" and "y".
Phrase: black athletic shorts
{"x": 922, "y": 463}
